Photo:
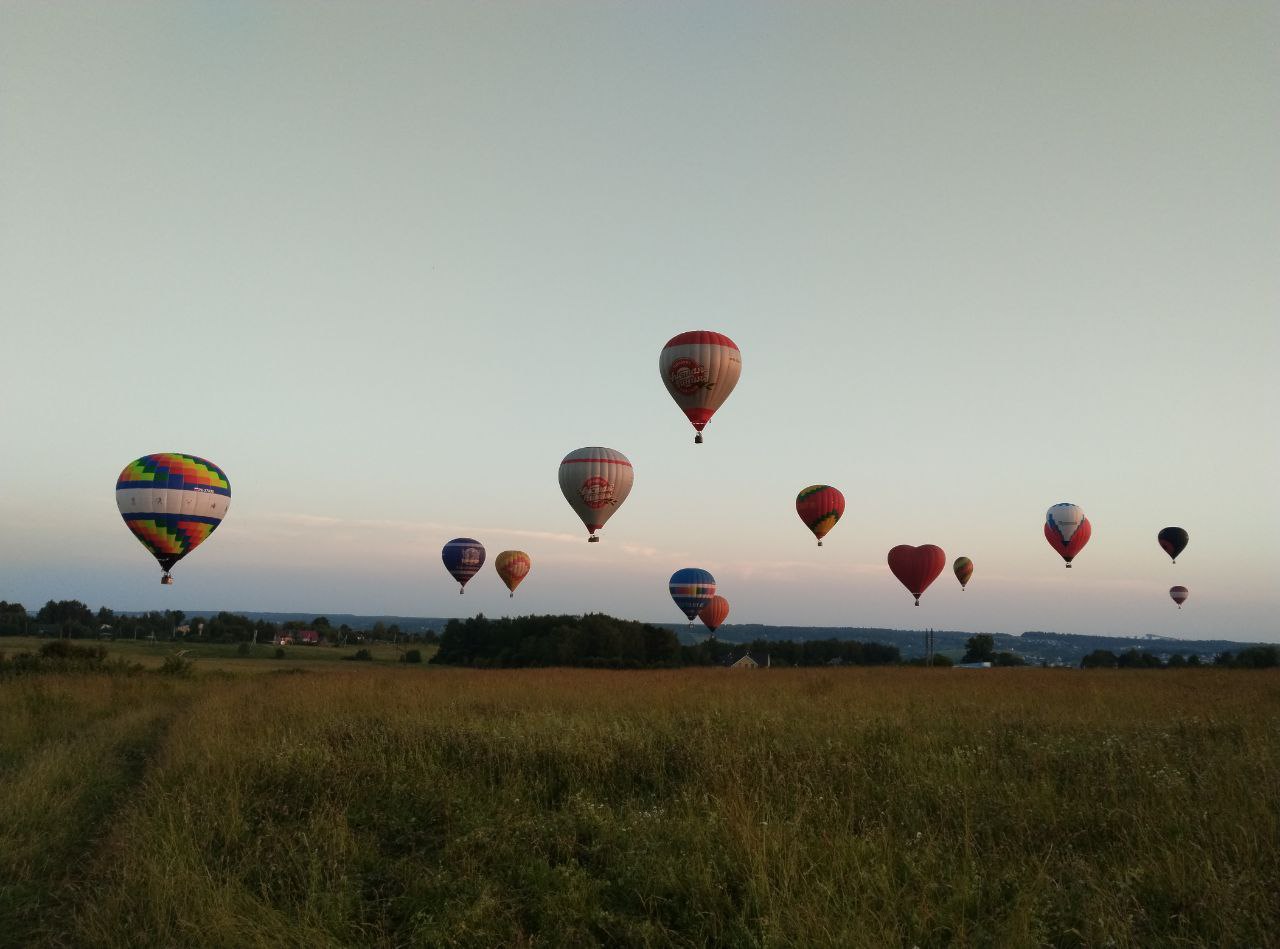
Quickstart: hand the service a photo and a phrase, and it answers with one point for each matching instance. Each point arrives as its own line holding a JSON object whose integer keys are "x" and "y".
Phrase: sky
{"x": 386, "y": 264}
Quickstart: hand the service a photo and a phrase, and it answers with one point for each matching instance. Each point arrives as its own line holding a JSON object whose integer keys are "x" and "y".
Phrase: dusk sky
{"x": 386, "y": 264}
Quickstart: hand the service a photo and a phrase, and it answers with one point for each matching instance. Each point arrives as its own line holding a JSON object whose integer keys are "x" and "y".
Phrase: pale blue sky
{"x": 386, "y": 264}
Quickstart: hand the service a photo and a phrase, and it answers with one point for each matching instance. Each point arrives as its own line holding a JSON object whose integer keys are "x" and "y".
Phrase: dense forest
{"x": 598, "y": 640}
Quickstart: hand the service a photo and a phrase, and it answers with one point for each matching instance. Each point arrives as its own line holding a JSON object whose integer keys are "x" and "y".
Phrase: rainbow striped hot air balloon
{"x": 691, "y": 588}
{"x": 595, "y": 481}
{"x": 172, "y": 502}
{"x": 820, "y": 506}
{"x": 700, "y": 369}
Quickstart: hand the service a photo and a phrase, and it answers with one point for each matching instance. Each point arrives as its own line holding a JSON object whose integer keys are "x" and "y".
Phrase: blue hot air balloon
{"x": 691, "y": 588}
{"x": 463, "y": 557}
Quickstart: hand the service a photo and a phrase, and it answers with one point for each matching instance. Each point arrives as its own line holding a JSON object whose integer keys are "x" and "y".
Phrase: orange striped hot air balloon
{"x": 964, "y": 570}
{"x": 714, "y": 613}
{"x": 513, "y": 566}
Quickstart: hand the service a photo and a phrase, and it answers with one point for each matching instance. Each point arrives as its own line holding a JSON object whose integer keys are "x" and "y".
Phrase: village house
{"x": 746, "y": 659}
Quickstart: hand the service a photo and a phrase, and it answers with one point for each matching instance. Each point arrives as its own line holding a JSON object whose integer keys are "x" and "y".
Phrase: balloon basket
{"x": 819, "y": 543}
{"x": 697, "y": 439}
{"x": 593, "y": 539}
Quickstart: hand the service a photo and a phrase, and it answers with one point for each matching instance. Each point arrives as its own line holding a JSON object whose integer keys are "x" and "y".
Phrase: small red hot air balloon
{"x": 917, "y": 567}
{"x": 964, "y": 570}
{"x": 714, "y": 613}
{"x": 1179, "y": 595}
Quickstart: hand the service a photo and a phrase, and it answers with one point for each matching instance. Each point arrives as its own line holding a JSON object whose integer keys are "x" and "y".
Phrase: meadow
{"x": 384, "y": 804}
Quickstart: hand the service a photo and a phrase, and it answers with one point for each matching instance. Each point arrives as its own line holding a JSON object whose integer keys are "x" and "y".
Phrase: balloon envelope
{"x": 172, "y": 502}
{"x": 1067, "y": 530}
{"x": 512, "y": 566}
{"x": 714, "y": 613}
{"x": 964, "y": 570}
{"x": 595, "y": 481}
{"x": 820, "y": 506}
{"x": 1179, "y": 595}
{"x": 700, "y": 369}
{"x": 691, "y": 588}
{"x": 1173, "y": 541}
{"x": 917, "y": 567}
{"x": 463, "y": 557}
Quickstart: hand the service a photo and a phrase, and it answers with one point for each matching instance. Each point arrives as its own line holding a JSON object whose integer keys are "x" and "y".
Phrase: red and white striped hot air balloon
{"x": 1179, "y": 595}
{"x": 595, "y": 481}
{"x": 700, "y": 369}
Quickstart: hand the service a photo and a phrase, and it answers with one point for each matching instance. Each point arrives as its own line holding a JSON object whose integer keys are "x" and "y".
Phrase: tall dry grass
{"x": 404, "y": 807}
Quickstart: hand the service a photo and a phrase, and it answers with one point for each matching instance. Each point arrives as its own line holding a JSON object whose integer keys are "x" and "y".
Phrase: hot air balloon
{"x": 1179, "y": 595}
{"x": 513, "y": 566}
{"x": 172, "y": 502}
{"x": 714, "y": 613}
{"x": 691, "y": 588}
{"x": 917, "y": 567}
{"x": 595, "y": 481}
{"x": 1067, "y": 530}
{"x": 964, "y": 570}
{"x": 1173, "y": 540}
{"x": 700, "y": 369}
{"x": 820, "y": 506}
{"x": 463, "y": 557}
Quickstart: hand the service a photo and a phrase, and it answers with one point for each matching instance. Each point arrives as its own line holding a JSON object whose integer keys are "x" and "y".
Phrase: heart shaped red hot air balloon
{"x": 917, "y": 567}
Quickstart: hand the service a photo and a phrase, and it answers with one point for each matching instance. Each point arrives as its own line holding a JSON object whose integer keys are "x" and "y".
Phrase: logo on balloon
{"x": 471, "y": 557}
{"x": 687, "y": 376}
{"x": 596, "y": 492}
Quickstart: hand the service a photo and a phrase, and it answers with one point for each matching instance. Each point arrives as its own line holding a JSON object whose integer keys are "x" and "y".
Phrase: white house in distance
{"x": 746, "y": 659}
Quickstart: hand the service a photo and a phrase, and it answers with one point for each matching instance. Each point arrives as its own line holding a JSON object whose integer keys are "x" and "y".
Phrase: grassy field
{"x": 380, "y": 804}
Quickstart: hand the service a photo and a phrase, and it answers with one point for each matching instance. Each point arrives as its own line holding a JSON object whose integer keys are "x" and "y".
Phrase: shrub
{"x": 279, "y": 652}
{"x": 244, "y": 649}
{"x": 65, "y": 649}
{"x": 361, "y": 655}
{"x": 176, "y": 666}
{"x": 413, "y": 655}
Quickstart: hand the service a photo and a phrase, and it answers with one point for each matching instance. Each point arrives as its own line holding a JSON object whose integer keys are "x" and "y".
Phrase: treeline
{"x": 71, "y": 619}
{"x": 1251, "y": 657}
{"x": 601, "y": 641}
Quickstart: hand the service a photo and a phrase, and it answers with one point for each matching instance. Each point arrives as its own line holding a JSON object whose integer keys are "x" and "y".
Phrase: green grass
{"x": 392, "y": 805}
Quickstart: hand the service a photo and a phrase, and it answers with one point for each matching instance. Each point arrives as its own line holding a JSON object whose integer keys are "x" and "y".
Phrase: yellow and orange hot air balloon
{"x": 513, "y": 566}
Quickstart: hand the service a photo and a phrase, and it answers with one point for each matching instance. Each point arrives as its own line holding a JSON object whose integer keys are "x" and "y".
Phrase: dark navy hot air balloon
{"x": 463, "y": 557}
{"x": 691, "y": 588}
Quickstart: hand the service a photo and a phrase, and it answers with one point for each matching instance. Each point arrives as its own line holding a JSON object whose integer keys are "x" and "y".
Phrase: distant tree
{"x": 1138, "y": 659}
{"x": 1008, "y": 659}
{"x": 1224, "y": 659}
{"x": 321, "y": 623}
{"x": 1194, "y": 659}
{"x": 63, "y": 611}
{"x": 1258, "y": 657}
{"x": 1177, "y": 661}
{"x": 980, "y": 648}
{"x": 1099, "y": 659}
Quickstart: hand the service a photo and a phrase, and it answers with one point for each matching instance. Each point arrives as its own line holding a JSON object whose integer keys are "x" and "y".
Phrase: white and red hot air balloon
{"x": 595, "y": 481}
{"x": 700, "y": 369}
